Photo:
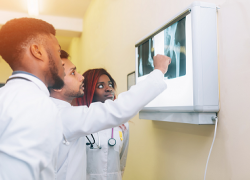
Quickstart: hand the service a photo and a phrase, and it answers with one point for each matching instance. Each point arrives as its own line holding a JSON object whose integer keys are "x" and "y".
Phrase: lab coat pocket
{"x": 93, "y": 156}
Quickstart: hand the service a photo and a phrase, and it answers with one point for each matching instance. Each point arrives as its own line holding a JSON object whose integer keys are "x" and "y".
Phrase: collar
{"x": 32, "y": 78}
{"x": 24, "y": 72}
{"x": 60, "y": 103}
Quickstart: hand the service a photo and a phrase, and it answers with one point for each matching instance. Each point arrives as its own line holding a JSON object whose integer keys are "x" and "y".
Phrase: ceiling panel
{"x": 14, "y": 5}
{"x": 69, "y": 8}
{"x": 66, "y": 8}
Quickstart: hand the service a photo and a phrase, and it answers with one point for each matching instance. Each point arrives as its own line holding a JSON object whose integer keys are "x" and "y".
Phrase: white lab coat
{"x": 79, "y": 121}
{"x": 71, "y": 163}
{"x": 30, "y": 130}
{"x": 108, "y": 163}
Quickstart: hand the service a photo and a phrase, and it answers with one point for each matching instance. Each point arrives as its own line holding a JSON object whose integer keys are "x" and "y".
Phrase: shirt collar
{"x": 24, "y": 72}
{"x": 32, "y": 78}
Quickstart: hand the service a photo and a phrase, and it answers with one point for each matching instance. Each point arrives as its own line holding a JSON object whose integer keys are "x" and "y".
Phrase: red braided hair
{"x": 91, "y": 77}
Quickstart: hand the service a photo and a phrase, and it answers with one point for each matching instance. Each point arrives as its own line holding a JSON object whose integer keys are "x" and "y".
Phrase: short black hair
{"x": 64, "y": 55}
{"x": 16, "y": 32}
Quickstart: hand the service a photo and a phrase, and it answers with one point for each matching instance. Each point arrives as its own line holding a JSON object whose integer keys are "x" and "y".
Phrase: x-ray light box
{"x": 190, "y": 39}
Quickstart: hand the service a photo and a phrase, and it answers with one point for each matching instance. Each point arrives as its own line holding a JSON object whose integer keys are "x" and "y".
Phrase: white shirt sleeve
{"x": 30, "y": 133}
{"x": 99, "y": 116}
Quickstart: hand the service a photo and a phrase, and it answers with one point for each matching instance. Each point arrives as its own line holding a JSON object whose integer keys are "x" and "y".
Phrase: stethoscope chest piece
{"x": 112, "y": 142}
{"x": 66, "y": 143}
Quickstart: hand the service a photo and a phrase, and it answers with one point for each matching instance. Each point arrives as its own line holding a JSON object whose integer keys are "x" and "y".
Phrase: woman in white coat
{"x": 106, "y": 150}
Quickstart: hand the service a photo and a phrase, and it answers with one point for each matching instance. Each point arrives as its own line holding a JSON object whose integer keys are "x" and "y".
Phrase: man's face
{"x": 104, "y": 89}
{"x": 73, "y": 81}
{"x": 55, "y": 65}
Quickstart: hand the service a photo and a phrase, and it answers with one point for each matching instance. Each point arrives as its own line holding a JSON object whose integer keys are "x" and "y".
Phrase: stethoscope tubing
{"x": 92, "y": 143}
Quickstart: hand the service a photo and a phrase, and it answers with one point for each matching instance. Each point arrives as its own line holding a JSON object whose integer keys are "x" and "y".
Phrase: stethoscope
{"x": 111, "y": 141}
{"x": 92, "y": 143}
{"x": 18, "y": 77}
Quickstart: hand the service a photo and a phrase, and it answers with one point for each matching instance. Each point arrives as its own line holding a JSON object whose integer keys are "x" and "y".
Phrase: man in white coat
{"x": 30, "y": 126}
{"x": 79, "y": 121}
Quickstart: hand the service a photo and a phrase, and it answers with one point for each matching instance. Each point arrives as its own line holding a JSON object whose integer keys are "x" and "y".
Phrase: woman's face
{"x": 104, "y": 89}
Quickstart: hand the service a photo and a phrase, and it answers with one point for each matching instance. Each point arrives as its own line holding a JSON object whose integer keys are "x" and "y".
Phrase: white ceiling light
{"x": 33, "y": 7}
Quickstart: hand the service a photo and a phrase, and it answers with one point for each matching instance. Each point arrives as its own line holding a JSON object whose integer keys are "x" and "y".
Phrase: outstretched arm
{"x": 110, "y": 114}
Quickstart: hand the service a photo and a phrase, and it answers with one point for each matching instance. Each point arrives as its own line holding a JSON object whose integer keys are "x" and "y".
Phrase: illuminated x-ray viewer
{"x": 190, "y": 39}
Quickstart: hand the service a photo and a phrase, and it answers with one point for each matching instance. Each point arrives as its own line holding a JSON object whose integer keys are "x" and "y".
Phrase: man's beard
{"x": 58, "y": 82}
{"x": 73, "y": 94}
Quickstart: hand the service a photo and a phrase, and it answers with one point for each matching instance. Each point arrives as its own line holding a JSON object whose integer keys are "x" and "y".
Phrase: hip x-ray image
{"x": 175, "y": 48}
{"x": 170, "y": 42}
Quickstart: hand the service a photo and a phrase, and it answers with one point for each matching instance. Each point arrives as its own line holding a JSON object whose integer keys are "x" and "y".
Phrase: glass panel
{"x": 174, "y": 47}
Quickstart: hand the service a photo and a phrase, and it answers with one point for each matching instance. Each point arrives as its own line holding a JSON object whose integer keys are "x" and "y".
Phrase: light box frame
{"x": 204, "y": 66}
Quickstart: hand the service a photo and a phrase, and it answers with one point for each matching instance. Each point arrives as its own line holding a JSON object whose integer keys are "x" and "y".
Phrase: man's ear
{"x": 37, "y": 51}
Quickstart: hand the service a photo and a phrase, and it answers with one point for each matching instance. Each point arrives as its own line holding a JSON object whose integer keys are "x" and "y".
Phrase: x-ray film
{"x": 170, "y": 42}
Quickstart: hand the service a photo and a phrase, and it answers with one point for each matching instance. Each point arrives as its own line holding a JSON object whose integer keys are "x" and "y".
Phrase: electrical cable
{"x": 215, "y": 129}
